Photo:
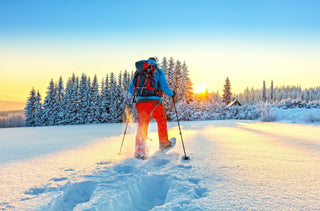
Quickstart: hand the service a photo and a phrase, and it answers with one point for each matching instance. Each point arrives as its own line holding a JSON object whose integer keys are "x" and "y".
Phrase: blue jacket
{"x": 159, "y": 77}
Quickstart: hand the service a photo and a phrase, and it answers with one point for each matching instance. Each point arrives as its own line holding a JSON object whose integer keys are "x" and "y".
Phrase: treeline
{"x": 278, "y": 94}
{"x": 83, "y": 101}
{"x": 12, "y": 120}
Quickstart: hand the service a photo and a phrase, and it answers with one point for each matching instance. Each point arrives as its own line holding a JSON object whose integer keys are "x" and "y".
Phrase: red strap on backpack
{"x": 146, "y": 65}
{"x": 148, "y": 83}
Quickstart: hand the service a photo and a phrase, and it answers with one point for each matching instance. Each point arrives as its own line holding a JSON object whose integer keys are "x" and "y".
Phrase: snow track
{"x": 133, "y": 185}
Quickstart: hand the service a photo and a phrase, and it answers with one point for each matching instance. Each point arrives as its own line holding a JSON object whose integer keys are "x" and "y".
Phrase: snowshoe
{"x": 140, "y": 149}
{"x": 165, "y": 147}
{"x": 140, "y": 156}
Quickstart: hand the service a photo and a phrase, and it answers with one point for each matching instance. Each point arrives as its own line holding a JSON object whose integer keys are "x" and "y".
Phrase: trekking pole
{"x": 125, "y": 130}
{"x": 184, "y": 150}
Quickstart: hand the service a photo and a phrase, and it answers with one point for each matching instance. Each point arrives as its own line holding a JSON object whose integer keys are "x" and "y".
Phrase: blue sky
{"x": 225, "y": 38}
{"x": 110, "y": 18}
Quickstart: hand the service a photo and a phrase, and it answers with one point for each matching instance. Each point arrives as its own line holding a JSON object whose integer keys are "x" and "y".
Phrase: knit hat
{"x": 152, "y": 58}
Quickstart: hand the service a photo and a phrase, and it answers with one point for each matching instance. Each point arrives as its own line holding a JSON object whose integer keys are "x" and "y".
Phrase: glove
{"x": 174, "y": 94}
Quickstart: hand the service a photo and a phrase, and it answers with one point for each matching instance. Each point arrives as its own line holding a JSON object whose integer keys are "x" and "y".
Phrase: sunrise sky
{"x": 249, "y": 41}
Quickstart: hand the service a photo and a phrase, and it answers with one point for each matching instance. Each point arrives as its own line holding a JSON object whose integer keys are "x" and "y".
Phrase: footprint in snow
{"x": 39, "y": 190}
{"x": 75, "y": 194}
{"x": 103, "y": 163}
{"x": 35, "y": 191}
{"x": 5, "y": 206}
{"x": 194, "y": 180}
{"x": 58, "y": 179}
{"x": 201, "y": 192}
{"x": 69, "y": 170}
{"x": 184, "y": 166}
{"x": 124, "y": 169}
{"x": 160, "y": 162}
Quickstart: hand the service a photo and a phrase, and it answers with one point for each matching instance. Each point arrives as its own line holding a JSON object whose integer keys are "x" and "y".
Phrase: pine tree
{"x": 166, "y": 99}
{"x": 247, "y": 96}
{"x": 30, "y": 109}
{"x": 271, "y": 92}
{"x": 264, "y": 97}
{"x": 170, "y": 73}
{"x": 88, "y": 109}
{"x": 120, "y": 81}
{"x": 113, "y": 98}
{"x": 67, "y": 101}
{"x": 116, "y": 107}
{"x": 125, "y": 85}
{"x": 83, "y": 99}
{"x": 164, "y": 66}
{"x": 74, "y": 113}
{"x": 186, "y": 84}
{"x": 125, "y": 80}
{"x": 105, "y": 102}
{"x": 157, "y": 60}
{"x": 60, "y": 103}
{"x": 49, "y": 109}
{"x": 177, "y": 85}
{"x": 94, "y": 102}
{"x": 38, "y": 110}
{"x": 227, "y": 95}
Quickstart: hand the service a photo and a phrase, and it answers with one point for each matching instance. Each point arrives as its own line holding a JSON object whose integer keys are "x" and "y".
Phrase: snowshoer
{"x": 148, "y": 84}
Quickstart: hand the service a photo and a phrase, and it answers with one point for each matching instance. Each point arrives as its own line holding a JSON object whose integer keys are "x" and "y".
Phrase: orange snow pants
{"x": 144, "y": 110}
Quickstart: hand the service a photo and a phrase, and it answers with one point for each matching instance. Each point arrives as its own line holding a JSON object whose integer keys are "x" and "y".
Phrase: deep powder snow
{"x": 234, "y": 165}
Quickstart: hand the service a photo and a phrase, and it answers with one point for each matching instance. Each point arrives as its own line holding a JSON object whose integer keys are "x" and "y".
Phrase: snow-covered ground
{"x": 234, "y": 165}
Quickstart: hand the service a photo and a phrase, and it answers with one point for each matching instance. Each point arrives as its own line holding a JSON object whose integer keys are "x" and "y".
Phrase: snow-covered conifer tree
{"x": 67, "y": 101}
{"x": 227, "y": 95}
{"x": 125, "y": 80}
{"x": 74, "y": 114}
{"x": 186, "y": 84}
{"x": 38, "y": 110}
{"x": 157, "y": 59}
{"x": 170, "y": 79}
{"x": 177, "y": 84}
{"x": 164, "y": 66}
{"x": 30, "y": 109}
{"x": 271, "y": 92}
{"x": 49, "y": 105}
{"x": 60, "y": 103}
{"x": 94, "y": 102}
{"x": 116, "y": 107}
{"x": 120, "y": 81}
{"x": 105, "y": 102}
{"x": 113, "y": 103}
{"x": 170, "y": 73}
{"x": 89, "y": 107}
{"x": 264, "y": 96}
{"x": 83, "y": 99}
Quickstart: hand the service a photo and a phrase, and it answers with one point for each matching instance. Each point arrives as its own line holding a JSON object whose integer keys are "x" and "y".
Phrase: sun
{"x": 201, "y": 88}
